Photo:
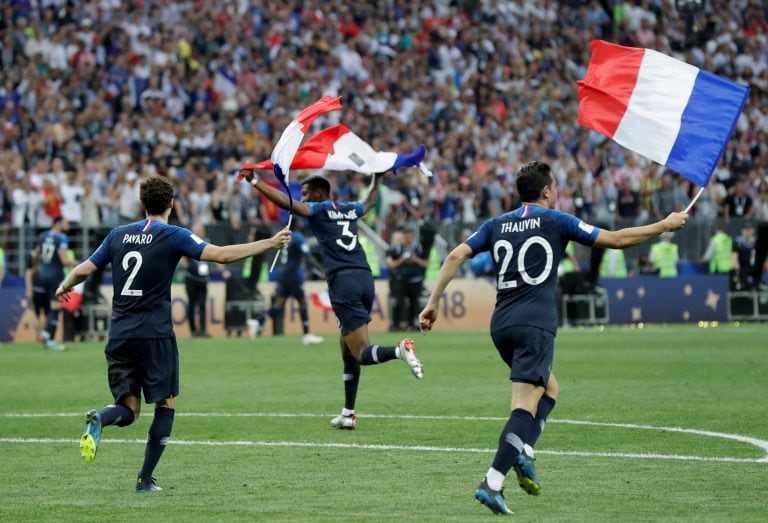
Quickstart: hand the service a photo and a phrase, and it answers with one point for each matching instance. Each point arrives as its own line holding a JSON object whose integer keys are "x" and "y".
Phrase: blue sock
{"x": 512, "y": 440}
{"x": 546, "y": 404}
{"x": 375, "y": 354}
{"x": 159, "y": 433}
{"x": 304, "y": 314}
{"x": 119, "y": 415}
{"x": 351, "y": 379}
{"x": 51, "y": 322}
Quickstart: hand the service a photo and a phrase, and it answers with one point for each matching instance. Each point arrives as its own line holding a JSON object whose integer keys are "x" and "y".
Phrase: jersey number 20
{"x": 502, "y": 254}
{"x": 137, "y": 260}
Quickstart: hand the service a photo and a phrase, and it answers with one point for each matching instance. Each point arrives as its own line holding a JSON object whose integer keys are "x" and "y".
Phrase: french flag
{"x": 337, "y": 148}
{"x": 666, "y": 110}
{"x": 288, "y": 144}
{"x": 224, "y": 83}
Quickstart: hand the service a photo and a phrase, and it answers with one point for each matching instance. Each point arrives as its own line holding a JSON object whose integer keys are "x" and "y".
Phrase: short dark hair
{"x": 156, "y": 193}
{"x": 317, "y": 182}
{"x": 531, "y": 180}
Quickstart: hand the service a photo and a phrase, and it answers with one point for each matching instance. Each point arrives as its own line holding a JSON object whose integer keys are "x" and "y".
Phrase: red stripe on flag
{"x": 146, "y": 227}
{"x": 607, "y": 87}
{"x": 314, "y": 153}
{"x": 323, "y": 105}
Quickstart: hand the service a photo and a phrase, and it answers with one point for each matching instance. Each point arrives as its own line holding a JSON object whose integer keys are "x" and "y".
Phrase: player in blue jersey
{"x": 50, "y": 257}
{"x": 527, "y": 245}
{"x": 141, "y": 352}
{"x": 290, "y": 284}
{"x": 350, "y": 282}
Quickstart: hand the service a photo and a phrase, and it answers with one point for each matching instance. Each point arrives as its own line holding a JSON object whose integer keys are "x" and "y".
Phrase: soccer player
{"x": 50, "y": 257}
{"x": 290, "y": 283}
{"x": 527, "y": 245}
{"x": 141, "y": 351}
{"x": 350, "y": 282}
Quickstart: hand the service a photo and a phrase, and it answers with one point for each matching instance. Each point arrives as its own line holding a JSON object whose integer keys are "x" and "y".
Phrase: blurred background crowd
{"x": 97, "y": 95}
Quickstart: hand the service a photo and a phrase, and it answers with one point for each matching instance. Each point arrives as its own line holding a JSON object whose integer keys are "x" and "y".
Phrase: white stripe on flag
{"x": 652, "y": 121}
{"x": 350, "y": 152}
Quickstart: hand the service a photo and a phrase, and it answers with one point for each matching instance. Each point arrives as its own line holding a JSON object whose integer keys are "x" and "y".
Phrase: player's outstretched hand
{"x": 427, "y": 318}
{"x": 282, "y": 238}
{"x": 246, "y": 173}
{"x": 61, "y": 295}
{"x": 675, "y": 221}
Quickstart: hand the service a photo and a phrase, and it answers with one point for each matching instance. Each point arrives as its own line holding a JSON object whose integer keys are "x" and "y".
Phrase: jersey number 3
{"x": 137, "y": 260}
{"x": 502, "y": 254}
{"x": 346, "y": 233}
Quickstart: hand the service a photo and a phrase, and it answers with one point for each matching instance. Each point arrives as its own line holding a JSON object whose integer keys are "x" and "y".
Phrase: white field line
{"x": 414, "y": 448}
{"x": 762, "y": 444}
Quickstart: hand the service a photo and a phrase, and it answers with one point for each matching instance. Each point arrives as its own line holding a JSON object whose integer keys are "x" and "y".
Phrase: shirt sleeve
{"x": 62, "y": 241}
{"x": 577, "y": 230}
{"x": 481, "y": 239}
{"x": 102, "y": 255}
{"x": 188, "y": 243}
{"x": 314, "y": 208}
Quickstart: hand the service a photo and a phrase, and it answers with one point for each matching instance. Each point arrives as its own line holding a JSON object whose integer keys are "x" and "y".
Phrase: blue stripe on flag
{"x": 707, "y": 123}
{"x": 409, "y": 160}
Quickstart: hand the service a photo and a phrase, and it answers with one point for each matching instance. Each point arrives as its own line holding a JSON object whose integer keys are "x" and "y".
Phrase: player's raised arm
{"x": 372, "y": 198}
{"x": 276, "y": 196}
{"x": 624, "y": 238}
{"x": 234, "y": 253}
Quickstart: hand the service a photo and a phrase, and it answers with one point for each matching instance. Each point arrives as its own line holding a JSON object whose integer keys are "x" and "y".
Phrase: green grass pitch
{"x": 657, "y": 423}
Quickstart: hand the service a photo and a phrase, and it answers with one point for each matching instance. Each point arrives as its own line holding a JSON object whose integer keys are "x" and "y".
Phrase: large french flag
{"x": 337, "y": 148}
{"x": 667, "y": 110}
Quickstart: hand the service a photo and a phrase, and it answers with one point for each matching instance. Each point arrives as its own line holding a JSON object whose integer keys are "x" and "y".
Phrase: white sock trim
{"x": 494, "y": 478}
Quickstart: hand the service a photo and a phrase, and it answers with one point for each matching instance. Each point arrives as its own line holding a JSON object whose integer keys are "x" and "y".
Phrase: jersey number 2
{"x": 502, "y": 250}
{"x": 131, "y": 255}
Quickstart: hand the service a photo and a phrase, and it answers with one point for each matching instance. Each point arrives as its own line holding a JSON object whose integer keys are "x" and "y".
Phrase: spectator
{"x": 719, "y": 252}
{"x": 668, "y": 198}
{"x": 664, "y": 256}
{"x": 128, "y": 91}
{"x": 72, "y": 192}
{"x": 196, "y": 277}
{"x": 744, "y": 257}
{"x": 407, "y": 259}
{"x": 738, "y": 203}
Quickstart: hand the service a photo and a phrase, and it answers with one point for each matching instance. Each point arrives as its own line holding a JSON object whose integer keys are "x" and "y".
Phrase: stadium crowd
{"x": 97, "y": 95}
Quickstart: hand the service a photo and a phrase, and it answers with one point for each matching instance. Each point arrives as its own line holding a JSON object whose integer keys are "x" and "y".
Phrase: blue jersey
{"x": 291, "y": 258}
{"x": 144, "y": 256}
{"x": 527, "y": 245}
{"x": 335, "y": 226}
{"x": 50, "y": 268}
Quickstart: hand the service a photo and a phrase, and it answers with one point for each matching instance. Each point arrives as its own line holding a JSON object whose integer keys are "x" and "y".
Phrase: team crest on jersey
{"x": 587, "y": 228}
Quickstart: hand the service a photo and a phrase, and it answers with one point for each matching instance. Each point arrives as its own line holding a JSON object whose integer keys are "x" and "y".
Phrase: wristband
{"x": 254, "y": 180}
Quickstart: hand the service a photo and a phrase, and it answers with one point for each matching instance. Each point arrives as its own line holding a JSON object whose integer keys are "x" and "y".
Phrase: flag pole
{"x": 277, "y": 254}
{"x": 701, "y": 190}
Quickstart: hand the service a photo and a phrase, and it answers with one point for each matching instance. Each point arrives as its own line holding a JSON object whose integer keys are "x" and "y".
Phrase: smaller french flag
{"x": 224, "y": 83}
{"x": 337, "y": 148}
{"x": 666, "y": 110}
